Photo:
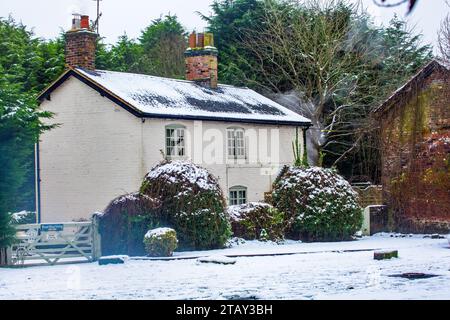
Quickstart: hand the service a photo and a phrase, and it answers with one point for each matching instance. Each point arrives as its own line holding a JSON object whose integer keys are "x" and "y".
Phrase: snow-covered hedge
{"x": 192, "y": 203}
{"x": 160, "y": 242}
{"x": 256, "y": 220}
{"x": 319, "y": 204}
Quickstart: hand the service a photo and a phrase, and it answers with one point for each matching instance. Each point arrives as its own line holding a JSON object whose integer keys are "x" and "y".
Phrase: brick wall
{"x": 80, "y": 49}
{"x": 201, "y": 66}
{"x": 415, "y": 148}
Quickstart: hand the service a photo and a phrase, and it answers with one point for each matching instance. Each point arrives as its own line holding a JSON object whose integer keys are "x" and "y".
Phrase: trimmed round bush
{"x": 192, "y": 203}
{"x": 160, "y": 242}
{"x": 318, "y": 203}
{"x": 123, "y": 224}
{"x": 256, "y": 221}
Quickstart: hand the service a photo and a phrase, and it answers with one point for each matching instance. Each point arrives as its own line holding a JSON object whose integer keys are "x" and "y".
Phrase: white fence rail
{"x": 54, "y": 243}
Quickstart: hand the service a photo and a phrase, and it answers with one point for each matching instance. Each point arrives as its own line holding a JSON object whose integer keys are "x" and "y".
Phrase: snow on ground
{"x": 319, "y": 271}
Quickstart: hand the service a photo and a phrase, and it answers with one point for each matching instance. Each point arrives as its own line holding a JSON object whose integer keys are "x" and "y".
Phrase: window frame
{"x": 236, "y": 146}
{"x": 241, "y": 195}
{"x": 174, "y": 142}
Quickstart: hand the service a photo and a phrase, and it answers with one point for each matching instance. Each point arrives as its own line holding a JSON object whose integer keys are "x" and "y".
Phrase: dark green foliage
{"x": 124, "y": 223}
{"x": 192, "y": 203}
{"x": 230, "y": 23}
{"x": 161, "y": 29}
{"x": 19, "y": 127}
{"x": 175, "y": 194}
{"x": 125, "y": 55}
{"x": 161, "y": 242}
{"x": 159, "y": 51}
{"x": 7, "y": 231}
{"x": 163, "y": 44}
{"x": 318, "y": 203}
{"x": 27, "y": 64}
{"x": 103, "y": 60}
{"x": 258, "y": 221}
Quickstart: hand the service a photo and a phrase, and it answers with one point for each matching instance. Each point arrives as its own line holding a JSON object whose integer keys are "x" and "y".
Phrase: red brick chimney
{"x": 201, "y": 60}
{"x": 80, "y": 44}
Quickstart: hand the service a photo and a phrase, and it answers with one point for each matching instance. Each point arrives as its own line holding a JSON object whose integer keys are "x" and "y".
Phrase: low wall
{"x": 418, "y": 225}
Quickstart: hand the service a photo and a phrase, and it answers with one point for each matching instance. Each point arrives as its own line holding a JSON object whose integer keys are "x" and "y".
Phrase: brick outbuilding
{"x": 415, "y": 151}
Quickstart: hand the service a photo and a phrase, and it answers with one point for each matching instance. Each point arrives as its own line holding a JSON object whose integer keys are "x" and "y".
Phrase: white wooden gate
{"x": 55, "y": 243}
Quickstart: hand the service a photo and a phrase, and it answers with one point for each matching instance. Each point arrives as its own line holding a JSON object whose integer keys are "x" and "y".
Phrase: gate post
{"x": 9, "y": 256}
{"x": 5, "y": 256}
{"x": 96, "y": 239}
{"x": 2, "y": 256}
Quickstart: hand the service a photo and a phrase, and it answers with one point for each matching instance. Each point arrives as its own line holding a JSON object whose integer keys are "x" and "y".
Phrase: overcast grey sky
{"x": 47, "y": 17}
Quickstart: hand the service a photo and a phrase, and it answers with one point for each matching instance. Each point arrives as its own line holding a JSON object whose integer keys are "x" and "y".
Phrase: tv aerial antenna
{"x": 99, "y": 14}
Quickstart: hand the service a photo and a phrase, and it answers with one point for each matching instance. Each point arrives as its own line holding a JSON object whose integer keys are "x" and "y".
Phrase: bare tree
{"x": 311, "y": 49}
{"x": 444, "y": 39}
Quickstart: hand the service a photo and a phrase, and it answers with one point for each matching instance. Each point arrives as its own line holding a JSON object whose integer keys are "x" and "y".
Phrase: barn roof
{"x": 156, "y": 97}
{"x": 405, "y": 89}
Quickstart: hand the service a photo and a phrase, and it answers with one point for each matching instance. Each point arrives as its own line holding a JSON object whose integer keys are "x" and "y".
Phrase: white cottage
{"x": 113, "y": 127}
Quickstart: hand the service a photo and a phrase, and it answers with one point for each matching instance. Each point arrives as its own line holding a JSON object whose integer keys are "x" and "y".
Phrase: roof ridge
{"x": 158, "y": 77}
{"x": 433, "y": 62}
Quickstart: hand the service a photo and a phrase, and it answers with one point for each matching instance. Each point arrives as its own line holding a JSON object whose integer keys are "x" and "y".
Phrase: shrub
{"x": 318, "y": 204}
{"x": 256, "y": 220}
{"x": 160, "y": 242}
{"x": 192, "y": 203}
{"x": 124, "y": 223}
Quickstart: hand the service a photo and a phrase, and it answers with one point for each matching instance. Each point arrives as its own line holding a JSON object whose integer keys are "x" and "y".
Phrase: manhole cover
{"x": 414, "y": 275}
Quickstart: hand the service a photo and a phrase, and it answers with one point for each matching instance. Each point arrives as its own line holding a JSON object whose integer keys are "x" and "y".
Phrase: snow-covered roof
{"x": 151, "y": 96}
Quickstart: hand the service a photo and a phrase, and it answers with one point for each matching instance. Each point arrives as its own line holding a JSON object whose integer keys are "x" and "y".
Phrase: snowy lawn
{"x": 318, "y": 271}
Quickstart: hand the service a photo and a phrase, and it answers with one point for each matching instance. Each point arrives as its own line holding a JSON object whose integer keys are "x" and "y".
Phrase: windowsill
{"x": 176, "y": 157}
{"x": 236, "y": 204}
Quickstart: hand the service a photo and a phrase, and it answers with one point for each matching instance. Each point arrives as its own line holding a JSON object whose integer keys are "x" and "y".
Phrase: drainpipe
{"x": 37, "y": 166}
{"x": 304, "y": 139}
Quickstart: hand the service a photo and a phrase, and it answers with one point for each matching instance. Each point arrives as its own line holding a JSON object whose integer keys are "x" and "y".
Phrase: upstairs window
{"x": 175, "y": 142}
{"x": 236, "y": 143}
{"x": 238, "y": 195}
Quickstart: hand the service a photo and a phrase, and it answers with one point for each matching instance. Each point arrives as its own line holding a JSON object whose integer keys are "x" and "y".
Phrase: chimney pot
{"x": 76, "y": 21}
{"x": 200, "y": 40}
{"x": 192, "y": 40}
{"x": 84, "y": 22}
{"x": 80, "y": 44}
{"x": 209, "y": 40}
